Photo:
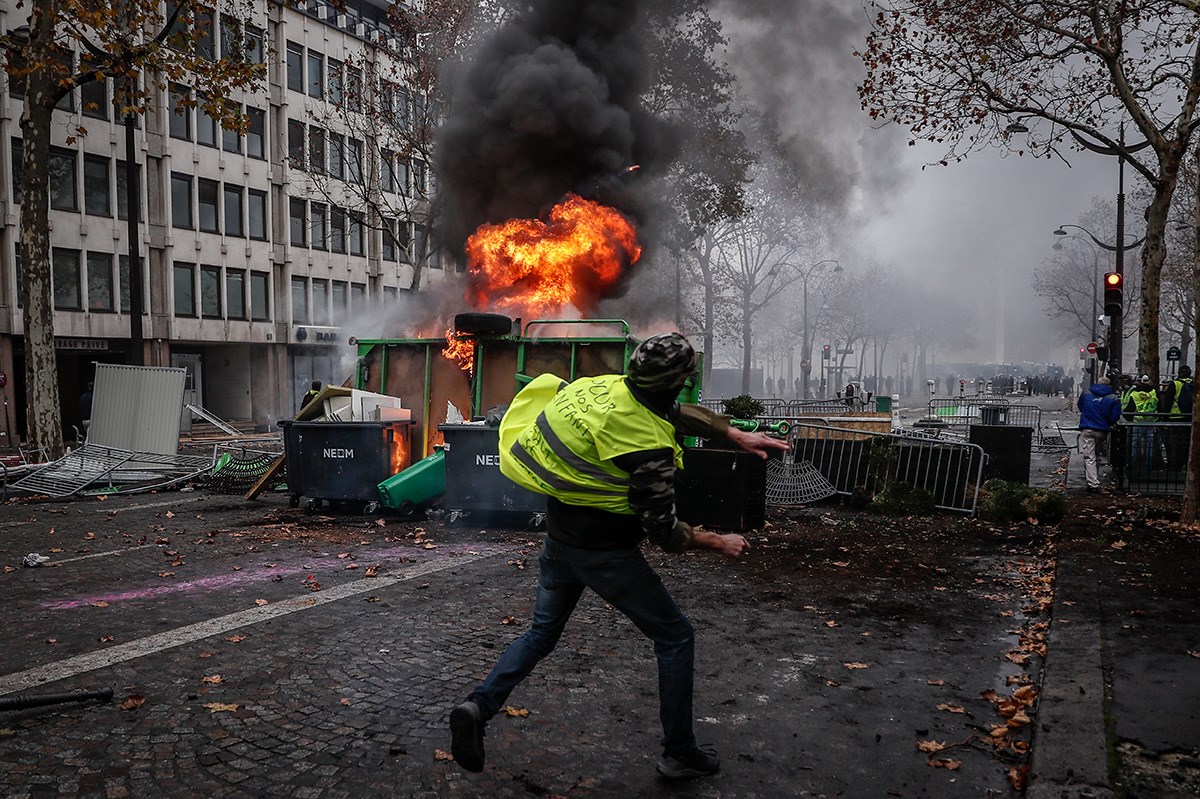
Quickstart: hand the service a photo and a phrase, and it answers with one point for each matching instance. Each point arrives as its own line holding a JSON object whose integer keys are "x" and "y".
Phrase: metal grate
{"x": 791, "y": 482}
{"x": 92, "y": 463}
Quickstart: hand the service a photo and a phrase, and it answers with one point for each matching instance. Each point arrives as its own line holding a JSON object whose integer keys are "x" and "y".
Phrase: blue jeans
{"x": 624, "y": 580}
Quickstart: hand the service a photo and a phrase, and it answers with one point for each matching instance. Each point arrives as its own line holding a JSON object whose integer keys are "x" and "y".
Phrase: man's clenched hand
{"x": 757, "y": 443}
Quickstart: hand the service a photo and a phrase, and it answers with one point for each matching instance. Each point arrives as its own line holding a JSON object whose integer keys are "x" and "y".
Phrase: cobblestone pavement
{"x": 268, "y": 663}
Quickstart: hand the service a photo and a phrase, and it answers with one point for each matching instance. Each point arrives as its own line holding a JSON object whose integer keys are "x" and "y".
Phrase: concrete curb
{"x": 1070, "y": 752}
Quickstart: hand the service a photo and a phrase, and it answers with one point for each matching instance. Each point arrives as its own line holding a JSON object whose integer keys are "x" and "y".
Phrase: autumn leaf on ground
{"x": 441, "y": 754}
{"x": 351, "y": 566}
{"x": 935, "y": 682}
{"x": 946, "y": 763}
{"x": 372, "y": 570}
{"x": 509, "y": 620}
{"x": 1016, "y": 776}
{"x": 204, "y": 655}
{"x": 166, "y": 574}
{"x": 857, "y": 665}
{"x": 220, "y": 707}
{"x": 841, "y": 564}
{"x": 104, "y": 639}
{"x": 99, "y": 603}
{"x": 345, "y": 701}
{"x": 951, "y": 708}
{"x": 831, "y": 623}
{"x": 372, "y": 599}
{"x": 516, "y": 712}
{"x": 1019, "y": 719}
{"x": 1020, "y": 658}
{"x": 931, "y": 746}
{"x": 212, "y": 679}
{"x": 52, "y": 640}
{"x": 9, "y": 569}
{"x": 260, "y": 602}
{"x": 999, "y": 731}
{"x": 89, "y": 536}
{"x": 344, "y": 555}
{"x": 236, "y": 639}
{"x": 1119, "y": 545}
{"x": 133, "y": 702}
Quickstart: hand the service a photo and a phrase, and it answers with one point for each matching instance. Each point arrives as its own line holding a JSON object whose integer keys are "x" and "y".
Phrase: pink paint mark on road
{"x": 391, "y": 556}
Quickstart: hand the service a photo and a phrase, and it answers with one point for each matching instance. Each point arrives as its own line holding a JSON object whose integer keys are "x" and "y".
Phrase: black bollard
{"x": 26, "y": 701}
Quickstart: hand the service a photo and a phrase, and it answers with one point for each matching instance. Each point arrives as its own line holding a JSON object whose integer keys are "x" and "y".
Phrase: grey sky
{"x": 973, "y": 232}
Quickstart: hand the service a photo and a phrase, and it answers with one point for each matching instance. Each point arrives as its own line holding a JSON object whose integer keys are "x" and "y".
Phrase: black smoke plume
{"x": 546, "y": 105}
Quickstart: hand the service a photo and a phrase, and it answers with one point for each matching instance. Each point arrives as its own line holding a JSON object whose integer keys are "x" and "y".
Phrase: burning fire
{"x": 400, "y": 459}
{"x": 533, "y": 266}
{"x": 461, "y": 351}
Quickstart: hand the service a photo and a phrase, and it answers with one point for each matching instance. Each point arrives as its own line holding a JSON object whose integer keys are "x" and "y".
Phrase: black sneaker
{"x": 466, "y": 736}
{"x": 696, "y": 763}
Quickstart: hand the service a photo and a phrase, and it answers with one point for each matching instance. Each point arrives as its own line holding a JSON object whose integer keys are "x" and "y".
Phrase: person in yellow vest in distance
{"x": 604, "y": 450}
{"x": 1182, "y": 399}
{"x": 1142, "y": 410}
{"x": 311, "y": 394}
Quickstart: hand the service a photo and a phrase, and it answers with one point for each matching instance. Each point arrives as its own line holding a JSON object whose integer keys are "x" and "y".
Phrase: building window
{"x": 404, "y": 242}
{"x": 232, "y": 197}
{"x": 354, "y": 160}
{"x": 235, "y": 293}
{"x": 420, "y": 182}
{"x": 316, "y": 75}
{"x": 421, "y": 244}
{"x": 210, "y": 292}
{"x": 93, "y": 98}
{"x": 389, "y": 239}
{"x": 100, "y": 281}
{"x": 296, "y": 143}
{"x": 316, "y": 150}
{"x": 337, "y": 156}
{"x": 320, "y": 302}
{"x": 97, "y": 190}
{"x": 254, "y": 45}
{"x": 337, "y": 230}
{"x": 205, "y": 36}
{"x": 335, "y": 81}
{"x": 231, "y": 140}
{"x": 126, "y": 289}
{"x": 355, "y": 234}
{"x": 387, "y": 172}
{"x": 353, "y": 88}
{"x": 299, "y": 300}
{"x": 260, "y": 296}
{"x": 404, "y": 175}
{"x": 390, "y": 294}
{"x": 256, "y": 134}
{"x": 64, "y": 194}
{"x": 123, "y": 189}
{"x": 257, "y": 215}
{"x": 319, "y": 224}
{"x": 65, "y": 276}
{"x": 358, "y": 298}
{"x": 185, "y": 289}
{"x": 180, "y": 113}
{"x": 207, "y": 192}
{"x": 295, "y": 67}
{"x": 339, "y": 297}
{"x": 181, "y": 201}
{"x": 297, "y": 223}
{"x": 206, "y": 126}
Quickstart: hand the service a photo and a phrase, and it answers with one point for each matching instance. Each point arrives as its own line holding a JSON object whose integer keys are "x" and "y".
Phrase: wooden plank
{"x": 258, "y": 487}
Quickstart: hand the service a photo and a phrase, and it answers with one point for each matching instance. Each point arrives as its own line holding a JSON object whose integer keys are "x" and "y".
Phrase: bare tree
{"x": 1073, "y": 73}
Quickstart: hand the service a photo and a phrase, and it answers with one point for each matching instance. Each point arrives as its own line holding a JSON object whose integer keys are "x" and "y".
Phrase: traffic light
{"x": 825, "y": 353}
{"x": 1114, "y": 285}
{"x": 1102, "y": 352}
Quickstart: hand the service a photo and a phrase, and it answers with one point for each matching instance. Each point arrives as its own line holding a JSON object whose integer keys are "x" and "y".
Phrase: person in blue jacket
{"x": 1099, "y": 411}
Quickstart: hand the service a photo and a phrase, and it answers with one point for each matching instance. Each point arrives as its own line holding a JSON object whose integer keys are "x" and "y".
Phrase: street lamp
{"x": 806, "y": 347}
{"x": 1115, "y": 326}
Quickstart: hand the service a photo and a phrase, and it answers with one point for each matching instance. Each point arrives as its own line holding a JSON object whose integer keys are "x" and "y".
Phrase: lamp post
{"x": 806, "y": 346}
{"x": 1095, "y": 292}
{"x": 1114, "y": 328}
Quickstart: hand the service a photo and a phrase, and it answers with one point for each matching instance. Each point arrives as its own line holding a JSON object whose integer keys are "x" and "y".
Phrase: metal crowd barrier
{"x": 1151, "y": 457}
{"x": 951, "y": 471}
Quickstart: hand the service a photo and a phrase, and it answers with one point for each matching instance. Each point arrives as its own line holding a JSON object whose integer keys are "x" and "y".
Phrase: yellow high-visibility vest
{"x": 560, "y": 439}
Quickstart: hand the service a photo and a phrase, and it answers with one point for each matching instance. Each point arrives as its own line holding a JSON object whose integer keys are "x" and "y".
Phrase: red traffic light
{"x": 1113, "y": 280}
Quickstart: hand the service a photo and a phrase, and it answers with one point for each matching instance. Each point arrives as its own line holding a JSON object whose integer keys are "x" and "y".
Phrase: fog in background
{"x": 970, "y": 233}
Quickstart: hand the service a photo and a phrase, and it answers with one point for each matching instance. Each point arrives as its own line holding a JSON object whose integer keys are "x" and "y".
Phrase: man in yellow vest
{"x": 1142, "y": 409}
{"x": 604, "y": 450}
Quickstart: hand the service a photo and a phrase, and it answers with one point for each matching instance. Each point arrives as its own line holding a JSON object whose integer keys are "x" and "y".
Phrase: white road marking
{"x": 51, "y": 672}
{"x": 110, "y": 553}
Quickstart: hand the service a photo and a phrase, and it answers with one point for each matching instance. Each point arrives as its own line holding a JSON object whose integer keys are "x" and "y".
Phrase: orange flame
{"x": 461, "y": 351}
{"x": 400, "y": 457}
{"x": 533, "y": 266}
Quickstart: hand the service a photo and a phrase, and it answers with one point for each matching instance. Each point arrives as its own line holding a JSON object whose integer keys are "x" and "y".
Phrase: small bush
{"x": 1002, "y": 501}
{"x": 742, "y": 407}
{"x": 902, "y": 499}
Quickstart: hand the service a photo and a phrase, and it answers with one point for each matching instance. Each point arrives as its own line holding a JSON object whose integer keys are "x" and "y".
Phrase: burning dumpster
{"x": 338, "y": 462}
